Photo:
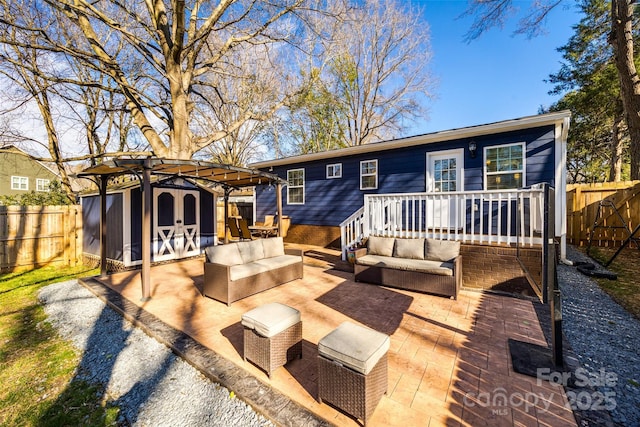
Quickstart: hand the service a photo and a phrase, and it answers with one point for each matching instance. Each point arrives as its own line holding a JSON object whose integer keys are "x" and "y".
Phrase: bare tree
{"x": 172, "y": 48}
{"x": 380, "y": 69}
{"x": 69, "y": 97}
{"x": 368, "y": 76}
{"x": 237, "y": 94}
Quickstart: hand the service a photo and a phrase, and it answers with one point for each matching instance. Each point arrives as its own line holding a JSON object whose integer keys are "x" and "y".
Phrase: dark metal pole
{"x": 226, "y": 214}
{"x": 146, "y": 231}
{"x": 279, "y": 206}
{"x": 103, "y": 225}
{"x": 553, "y": 291}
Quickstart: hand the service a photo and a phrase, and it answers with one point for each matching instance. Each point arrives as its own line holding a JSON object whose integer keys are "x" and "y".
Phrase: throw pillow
{"x": 380, "y": 245}
{"x": 441, "y": 250}
{"x": 409, "y": 248}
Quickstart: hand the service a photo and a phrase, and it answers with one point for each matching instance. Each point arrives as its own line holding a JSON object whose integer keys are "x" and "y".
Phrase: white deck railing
{"x": 491, "y": 217}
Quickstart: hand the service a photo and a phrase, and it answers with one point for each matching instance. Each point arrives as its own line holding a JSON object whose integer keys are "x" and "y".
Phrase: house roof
{"x": 227, "y": 176}
{"x": 558, "y": 118}
{"x": 12, "y": 149}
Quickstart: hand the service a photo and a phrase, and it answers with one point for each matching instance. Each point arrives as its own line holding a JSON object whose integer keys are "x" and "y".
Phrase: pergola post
{"x": 226, "y": 214}
{"x": 146, "y": 232}
{"x": 103, "y": 225}
{"x": 279, "y": 206}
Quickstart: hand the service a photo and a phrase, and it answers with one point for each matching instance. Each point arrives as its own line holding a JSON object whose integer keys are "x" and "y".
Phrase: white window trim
{"x": 301, "y": 186}
{"x": 524, "y": 163}
{"x": 458, "y": 154}
{"x": 333, "y": 165}
{"x": 41, "y": 181}
{"x": 19, "y": 186}
{"x": 376, "y": 174}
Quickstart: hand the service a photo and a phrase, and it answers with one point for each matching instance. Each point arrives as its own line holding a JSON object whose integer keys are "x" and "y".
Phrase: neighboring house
{"x": 19, "y": 174}
{"x": 183, "y": 218}
{"x": 463, "y": 184}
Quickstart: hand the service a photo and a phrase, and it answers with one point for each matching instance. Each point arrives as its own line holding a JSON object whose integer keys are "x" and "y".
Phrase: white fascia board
{"x": 442, "y": 136}
{"x": 561, "y": 134}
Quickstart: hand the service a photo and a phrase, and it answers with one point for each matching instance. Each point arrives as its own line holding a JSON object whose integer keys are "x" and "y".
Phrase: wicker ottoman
{"x": 352, "y": 369}
{"x": 272, "y": 335}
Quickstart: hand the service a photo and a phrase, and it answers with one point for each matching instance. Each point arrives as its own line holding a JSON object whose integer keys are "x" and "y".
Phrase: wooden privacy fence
{"x": 619, "y": 211}
{"x": 33, "y": 236}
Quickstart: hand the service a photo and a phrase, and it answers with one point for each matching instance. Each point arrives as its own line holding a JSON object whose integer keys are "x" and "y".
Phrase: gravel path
{"x": 606, "y": 340}
{"x": 151, "y": 385}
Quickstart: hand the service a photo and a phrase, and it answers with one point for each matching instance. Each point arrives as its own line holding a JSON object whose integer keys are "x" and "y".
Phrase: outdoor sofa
{"x": 238, "y": 270}
{"x": 425, "y": 265}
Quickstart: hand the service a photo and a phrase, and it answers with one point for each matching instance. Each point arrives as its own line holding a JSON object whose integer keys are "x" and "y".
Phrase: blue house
{"x": 481, "y": 185}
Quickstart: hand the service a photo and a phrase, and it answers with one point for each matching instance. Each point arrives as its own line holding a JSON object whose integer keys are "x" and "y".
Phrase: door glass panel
{"x": 165, "y": 210}
{"x": 189, "y": 203}
{"x": 444, "y": 175}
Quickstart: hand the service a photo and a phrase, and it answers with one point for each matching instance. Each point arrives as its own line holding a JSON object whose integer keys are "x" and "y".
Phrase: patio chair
{"x": 234, "y": 229}
{"x": 245, "y": 233}
{"x": 268, "y": 221}
{"x": 286, "y": 222}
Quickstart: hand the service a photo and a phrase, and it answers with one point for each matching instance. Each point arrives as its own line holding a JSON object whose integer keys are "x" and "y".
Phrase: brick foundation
{"x": 323, "y": 236}
{"x": 497, "y": 268}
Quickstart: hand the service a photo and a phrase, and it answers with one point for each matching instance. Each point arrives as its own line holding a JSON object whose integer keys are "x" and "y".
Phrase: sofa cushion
{"x": 261, "y": 266}
{"x": 441, "y": 250}
{"x": 270, "y": 319}
{"x": 249, "y": 269}
{"x": 278, "y": 261}
{"x": 380, "y": 245}
{"x": 251, "y": 251}
{"x": 421, "y": 265}
{"x": 409, "y": 248}
{"x": 224, "y": 254}
{"x": 355, "y": 346}
{"x": 273, "y": 246}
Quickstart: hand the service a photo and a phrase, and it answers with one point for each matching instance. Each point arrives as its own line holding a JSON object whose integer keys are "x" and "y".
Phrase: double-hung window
{"x": 295, "y": 187}
{"x": 42, "y": 184}
{"x": 369, "y": 175}
{"x": 19, "y": 183}
{"x": 504, "y": 166}
{"x": 334, "y": 170}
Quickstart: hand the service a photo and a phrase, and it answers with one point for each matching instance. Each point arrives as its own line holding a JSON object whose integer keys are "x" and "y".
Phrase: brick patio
{"x": 449, "y": 361}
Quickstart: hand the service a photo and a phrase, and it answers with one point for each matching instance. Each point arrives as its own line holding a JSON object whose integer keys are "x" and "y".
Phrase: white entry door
{"x": 176, "y": 229}
{"x": 444, "y": 175}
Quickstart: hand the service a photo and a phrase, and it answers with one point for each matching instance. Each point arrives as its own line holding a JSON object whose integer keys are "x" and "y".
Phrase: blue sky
{"x": 496, "y": 77}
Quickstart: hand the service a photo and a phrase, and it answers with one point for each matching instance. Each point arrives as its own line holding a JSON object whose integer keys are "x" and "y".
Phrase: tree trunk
{"x": 622, "y": 42}
{"x": 615, "y": 171}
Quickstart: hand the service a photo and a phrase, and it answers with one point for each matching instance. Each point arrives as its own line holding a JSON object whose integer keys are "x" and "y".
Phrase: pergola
{"x": 226, "y": 176}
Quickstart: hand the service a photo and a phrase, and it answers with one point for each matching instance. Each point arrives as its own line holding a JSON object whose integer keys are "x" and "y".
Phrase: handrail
{"x": 352, "y": 231}
{"x": 485, "y": 217}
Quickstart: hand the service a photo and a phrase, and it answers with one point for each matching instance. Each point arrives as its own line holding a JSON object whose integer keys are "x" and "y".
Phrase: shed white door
{"x": 444, "y": 175}
{"x": 176, "y": 229}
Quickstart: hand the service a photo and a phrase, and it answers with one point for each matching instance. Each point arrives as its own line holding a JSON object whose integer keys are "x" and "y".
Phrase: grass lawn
{"x": 626, "y": 289}
{"x": 36, "y": 365}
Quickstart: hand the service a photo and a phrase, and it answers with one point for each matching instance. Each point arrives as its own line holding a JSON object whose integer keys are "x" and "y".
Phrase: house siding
{"x": 402, "y": 170}
{"x": 12, "y": 164}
